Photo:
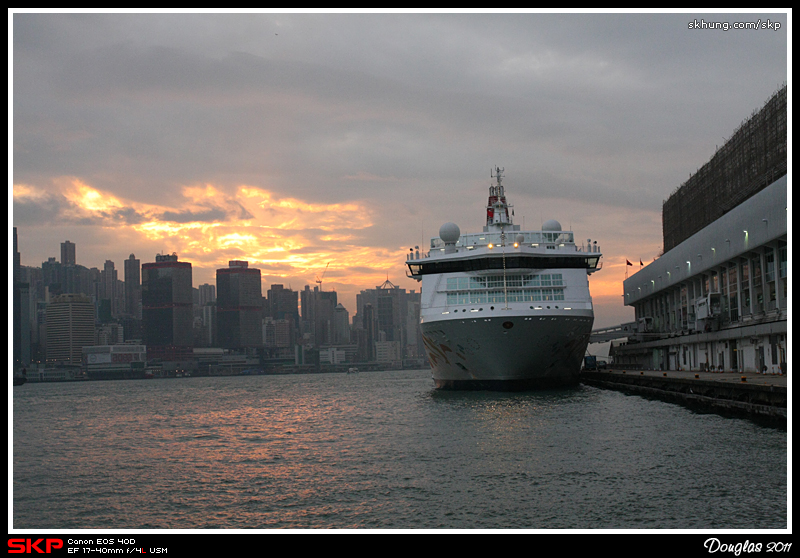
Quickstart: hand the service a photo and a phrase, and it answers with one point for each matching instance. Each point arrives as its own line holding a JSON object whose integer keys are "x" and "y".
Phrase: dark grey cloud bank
{"x": 595, "y": 106}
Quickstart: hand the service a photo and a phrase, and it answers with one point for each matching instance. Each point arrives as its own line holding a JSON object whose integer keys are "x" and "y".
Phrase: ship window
{"x": 477, "y": 282}
{"x": 478, "y": 297}
{"x": 496, "y": 296}
{"x": 532, "y": 281}
{"x": 515, "y": 296}
{"x": 495, "y": 281}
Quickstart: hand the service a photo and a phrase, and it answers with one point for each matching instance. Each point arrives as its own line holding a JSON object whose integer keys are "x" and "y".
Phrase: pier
{"x": 755, "y": 396}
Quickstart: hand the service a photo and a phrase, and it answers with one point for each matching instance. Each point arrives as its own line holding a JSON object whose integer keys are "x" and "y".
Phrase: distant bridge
{"x": 614, "y": 332}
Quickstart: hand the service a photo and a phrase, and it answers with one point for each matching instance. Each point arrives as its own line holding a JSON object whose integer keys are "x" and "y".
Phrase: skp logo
{"x": 29, "y": 546}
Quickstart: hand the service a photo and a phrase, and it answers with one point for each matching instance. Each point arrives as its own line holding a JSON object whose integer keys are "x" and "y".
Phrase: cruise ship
{"x": 505, "y": 309}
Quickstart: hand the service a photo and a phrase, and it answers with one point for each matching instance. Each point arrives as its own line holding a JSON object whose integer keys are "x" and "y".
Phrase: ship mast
{"x": 497, "y": 210}
{"x": 497, "y": 217}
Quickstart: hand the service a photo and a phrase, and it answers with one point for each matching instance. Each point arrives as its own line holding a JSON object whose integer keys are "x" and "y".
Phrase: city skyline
{"x": 321, "y": 147}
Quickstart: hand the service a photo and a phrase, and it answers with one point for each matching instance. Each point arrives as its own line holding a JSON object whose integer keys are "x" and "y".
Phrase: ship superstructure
{"x": 505, "y": 309}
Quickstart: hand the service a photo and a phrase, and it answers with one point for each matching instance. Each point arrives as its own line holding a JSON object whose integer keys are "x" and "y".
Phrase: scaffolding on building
{"x": 752, "y": 159}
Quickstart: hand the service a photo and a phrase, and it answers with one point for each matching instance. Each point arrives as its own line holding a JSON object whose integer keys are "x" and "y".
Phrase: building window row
{"x": 726, "y": 295}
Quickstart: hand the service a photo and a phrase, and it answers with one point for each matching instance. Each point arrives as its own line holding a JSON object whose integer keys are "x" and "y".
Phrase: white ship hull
{"x": 507, "y": 353}
{"x": 505, "y": 309}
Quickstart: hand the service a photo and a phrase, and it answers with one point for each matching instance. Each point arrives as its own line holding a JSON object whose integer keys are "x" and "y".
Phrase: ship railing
{"x": 530, "y": 238}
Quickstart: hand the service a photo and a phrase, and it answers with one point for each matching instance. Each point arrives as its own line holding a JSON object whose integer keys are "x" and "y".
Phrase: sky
{"x": 322, "y": 146}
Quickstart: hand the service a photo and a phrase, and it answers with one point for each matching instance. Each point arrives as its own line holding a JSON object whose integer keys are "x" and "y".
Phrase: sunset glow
{"x": 287, "y": 238}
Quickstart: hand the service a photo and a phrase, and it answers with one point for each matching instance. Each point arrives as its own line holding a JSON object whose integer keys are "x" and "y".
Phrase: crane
{"x": 319, "y": 279}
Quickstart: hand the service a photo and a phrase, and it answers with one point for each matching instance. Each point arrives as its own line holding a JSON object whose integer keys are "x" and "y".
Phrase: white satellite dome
{"x": 449, "y": 233}
{"x": 551, "y": 225}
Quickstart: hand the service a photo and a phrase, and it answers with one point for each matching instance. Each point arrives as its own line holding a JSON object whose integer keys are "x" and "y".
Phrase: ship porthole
{"x": 508, "y": 325}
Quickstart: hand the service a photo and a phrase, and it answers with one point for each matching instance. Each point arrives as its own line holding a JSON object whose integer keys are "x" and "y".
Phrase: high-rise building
{"x": 22, "y": 312}
{"x": 395, "y": 316}
{"x": 16, "y": 257}
{"x": 22, "y": 324}
{"x": 282, "y": 305}
{"x": 317, "y": 315}
{"x": 70, "y": 327}
{"x": 133, "y": 287}
{"x": 341, "y": 325}
{"x": 67, "y": 253}
{"x": 167, "y": 308}
{"x": 239, "y": 306}
{"x": 51, "y": 276}
{"x": 208, "y": 294}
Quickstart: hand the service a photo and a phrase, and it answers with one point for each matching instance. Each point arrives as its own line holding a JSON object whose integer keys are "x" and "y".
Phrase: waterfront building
{"x": 239, "y": 306}
{"x": 69, "y": 327}
{"x": 114, "y": 362}
{"x": 22, "y": 324}
{"x": 167, "y": 308}
{"x": 278, "y": 334}
{"x": 133, "y": 287}
{"x": 395, "y": 312}
{"x": 341, "y": 325}
{"x": 718, "y": 297}
{"x": 17, "y": 264}
{"x": 317, "y": 309}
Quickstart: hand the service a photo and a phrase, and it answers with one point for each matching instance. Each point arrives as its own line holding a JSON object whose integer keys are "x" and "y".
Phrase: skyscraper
{"x": 167, "y": 308}
{"x": 238, "y": 306}
{"x": 208, "y": 294}
{"x": 341, "y": 325}
{"x": 282, "y": 305}
{"x": 16, "y": 257}
{"x": 70, "y": 327}
{"x": 133, "y": 287}
{"x": 67, "y": 253}
{"x": 396, "y": 316}
{"x": 317, "y": 320}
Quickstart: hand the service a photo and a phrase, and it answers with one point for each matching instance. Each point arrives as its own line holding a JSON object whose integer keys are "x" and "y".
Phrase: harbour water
{"x": 382, "y": 450}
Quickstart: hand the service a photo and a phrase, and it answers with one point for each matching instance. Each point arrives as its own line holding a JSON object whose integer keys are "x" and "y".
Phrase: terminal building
{"x": 717, "y": 299}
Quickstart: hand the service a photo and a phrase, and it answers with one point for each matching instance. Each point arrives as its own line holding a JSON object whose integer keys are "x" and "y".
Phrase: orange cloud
{"x": 285, "y": 237}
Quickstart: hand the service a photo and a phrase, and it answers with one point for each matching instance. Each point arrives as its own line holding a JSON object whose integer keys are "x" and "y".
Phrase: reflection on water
{"x": 381, "y": 450}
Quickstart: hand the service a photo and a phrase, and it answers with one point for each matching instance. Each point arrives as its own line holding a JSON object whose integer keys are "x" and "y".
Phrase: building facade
{"x": 239, "y": 306}
{"x": 70, "y": 327}
{"x": 133, "y": 287}
{"x": 717, "y": 299}
{"x": 390, "y": 315}
{"x": 167, "y": 308}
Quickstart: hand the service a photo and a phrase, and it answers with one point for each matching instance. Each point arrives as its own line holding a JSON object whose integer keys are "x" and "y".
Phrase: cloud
{"x": 297, "y": 139}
